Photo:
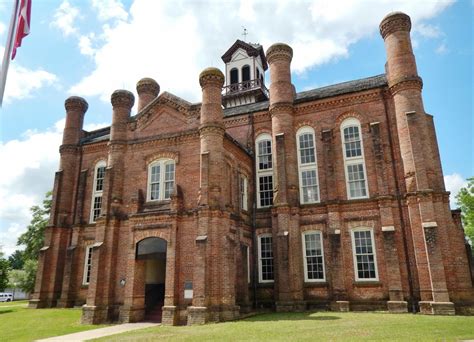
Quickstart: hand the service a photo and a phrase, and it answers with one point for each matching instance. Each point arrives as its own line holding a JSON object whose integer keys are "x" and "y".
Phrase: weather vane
{"x": 245, "y": 33}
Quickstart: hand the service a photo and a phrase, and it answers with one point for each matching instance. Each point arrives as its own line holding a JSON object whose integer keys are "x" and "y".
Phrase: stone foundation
{"x": 397, "y": 306}
{"x": 169, "y": 315}
{"x": 340, "y": 306}
{"x": 437, "y": 308}
{"x": 131, "y": 314}
{"x": 294, "y": 306}
{"x": 94, "y": 314}
{"x": 37, "y": 304}
{"x": 197, "y": 315}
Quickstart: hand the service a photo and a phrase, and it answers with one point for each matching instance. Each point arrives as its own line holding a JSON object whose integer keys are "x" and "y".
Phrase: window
{"x": 265, "y": 259}
{"x": 234, "y": 76}
{"x": 258, "y": 74}
{"x": 97, "y": 191}
{"x": 264, "y": 170}
{"x": 354, "y": 164}
{"x": 363, "y": 249}
{"x": 313, "y": 256}
{"x": 247, "y": 253}
{"x": 160, "y": 180}
{"x": 87, "y": 266}
{"x": 243, "y": 192}
{"x": 245, "y": 73}
{"x": 308, "y": 168}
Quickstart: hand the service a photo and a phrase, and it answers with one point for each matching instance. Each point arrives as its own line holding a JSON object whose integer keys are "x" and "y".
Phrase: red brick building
{"x": 331, "y": 198}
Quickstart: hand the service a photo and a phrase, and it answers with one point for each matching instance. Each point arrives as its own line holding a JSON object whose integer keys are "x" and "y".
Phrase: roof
{"x": 301, "y": 97}
{"x": 253, "y": 50}
{"x": 316, "y": 94}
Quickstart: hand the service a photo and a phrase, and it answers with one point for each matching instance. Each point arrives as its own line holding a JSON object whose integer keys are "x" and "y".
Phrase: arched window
{"x": 160, "y": 180}
{"x": 245, "y": 73}
{"x": 97, "y": 190}
{"x": 263, "y": 147}
{"x": 234, "y": 76}
{"x": 365, "y": 258}
{"x": 307, "y": 165}
{"x": 313, "y": 256}
{"x": 354, "y": 164}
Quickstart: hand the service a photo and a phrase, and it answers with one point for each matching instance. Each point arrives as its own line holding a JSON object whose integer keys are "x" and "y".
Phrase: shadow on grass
{"x": 5, "y": 311}
{"x": 297, "y": 316}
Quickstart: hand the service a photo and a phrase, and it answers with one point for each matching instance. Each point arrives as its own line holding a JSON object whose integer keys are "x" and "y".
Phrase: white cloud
{"x": 25, "y": 176}
{"x": 85, "y": 45}
{"x": 65, "y": 17}
{"x": 442, "y": 49}
{"x": 428, "y": 31}
{"x": 454, "y": 182}
{"x": 23, "y": 82}
{"x": 172, "y": 41}
{"x": 109, "y": 9}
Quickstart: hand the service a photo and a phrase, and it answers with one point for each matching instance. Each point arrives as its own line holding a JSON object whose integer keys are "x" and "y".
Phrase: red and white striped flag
{"x": 23, "y": 28}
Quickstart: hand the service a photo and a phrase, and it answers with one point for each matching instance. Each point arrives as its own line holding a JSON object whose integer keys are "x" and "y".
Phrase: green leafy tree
{"x": 33, "y": 238}
{"x": 465, "y": 200}
{"x": 3, "y": 272}
{"x": 15, "y": 278}
{"x": 27, "y": 282}
{"x": 16, "y": 260}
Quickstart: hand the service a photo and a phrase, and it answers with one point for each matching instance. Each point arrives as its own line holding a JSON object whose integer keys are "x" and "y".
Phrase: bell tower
{"x": 245, "y": 66}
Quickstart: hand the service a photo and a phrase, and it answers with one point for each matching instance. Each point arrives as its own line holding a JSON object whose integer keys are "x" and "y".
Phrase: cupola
{"x": 245, "y": 66}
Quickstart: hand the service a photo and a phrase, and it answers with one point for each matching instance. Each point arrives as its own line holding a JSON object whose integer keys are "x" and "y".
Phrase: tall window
{"x": 307, "y": 164}
{"x": 243, "y": 192}
{"x": 234, "y": 76}
{"x": 265, "y": 259}
{"x": 313, "y": 256}
{"x": 354, "y": 164}
{"x": 363, "y": 249}
{"x": 86, "y": 277}
{"x": 97, "y": 190}
{"x": 245, "y": 73}
{"x": 160, "y": 180}
{"x": 264, "y": 170}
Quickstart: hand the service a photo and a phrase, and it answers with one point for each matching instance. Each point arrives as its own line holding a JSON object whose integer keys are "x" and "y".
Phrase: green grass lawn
{"x": 18, "y": 323}
{"x": 320, "y": 326}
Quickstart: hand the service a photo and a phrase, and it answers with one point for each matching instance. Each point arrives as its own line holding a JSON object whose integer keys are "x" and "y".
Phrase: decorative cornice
{"x": 393, "y": 22}
{"x": 279, "y": 51}
{"x": 211, "y": 128}
{"x": 76, "y": 104}
{"x": 281, "y": 108}
{"x": 411, "y": 82}
{"x": 122, "y": 98}
{"x": 99, "y": 146}
{"x": 211, "y": 77}
{"x": 165, "y": 139}
{"x": 148, "y": 86}
{"x": 68, "y": 149}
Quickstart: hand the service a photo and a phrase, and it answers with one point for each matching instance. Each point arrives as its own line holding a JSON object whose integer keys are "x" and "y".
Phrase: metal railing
{"x": 236, "y": 88}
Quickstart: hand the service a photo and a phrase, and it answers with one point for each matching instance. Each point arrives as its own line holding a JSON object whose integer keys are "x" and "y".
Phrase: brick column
{"x": 147, "y": 90}
{"x": 418, "y": 159}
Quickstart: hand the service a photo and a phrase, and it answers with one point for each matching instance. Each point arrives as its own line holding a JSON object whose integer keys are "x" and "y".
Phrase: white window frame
{"x": 304, "y": 167}
{"x": 247, "y": 248}
{"x": 97, "y": 193}
{"x": 243, "y": 190}
{"x": 260, "y": 273}
{"x": 87, "y": 265}
{"x": 305, "y": 257}
{"x": 162, "y": 163}
{"x": 354, "y": 256}
{"x": 348, "y": 161}
{"x": 264, "y": 172}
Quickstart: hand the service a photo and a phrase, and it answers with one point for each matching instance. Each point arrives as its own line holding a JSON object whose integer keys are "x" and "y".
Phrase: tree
{"x": 16, "y": 260}
{"x": 3, "y": 272}
{"x": 33, "y": 238}
{"x": 465, "y": 200}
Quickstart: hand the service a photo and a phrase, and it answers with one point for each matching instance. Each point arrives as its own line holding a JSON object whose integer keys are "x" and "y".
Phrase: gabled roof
{"x": 253, "y": 50}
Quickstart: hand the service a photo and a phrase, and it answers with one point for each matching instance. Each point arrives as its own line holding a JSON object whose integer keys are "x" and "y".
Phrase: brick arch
{"x": 304, "y": 124}
{"x": 142, "y": 235}
{"x": 97, "y": 160}
{"x": 162, "y": 155}
{"x": 347, "y": 115}
{"x": 262, "y": 130}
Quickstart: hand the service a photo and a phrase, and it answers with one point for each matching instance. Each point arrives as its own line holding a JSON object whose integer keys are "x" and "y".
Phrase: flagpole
{"x": 8, "y": 50}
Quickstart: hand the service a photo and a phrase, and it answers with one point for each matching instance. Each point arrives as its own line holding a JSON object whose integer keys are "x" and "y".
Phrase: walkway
{"x": 101, "y": 332}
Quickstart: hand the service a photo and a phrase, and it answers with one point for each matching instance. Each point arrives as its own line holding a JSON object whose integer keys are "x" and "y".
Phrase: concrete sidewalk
{"x": 101, "y": 332}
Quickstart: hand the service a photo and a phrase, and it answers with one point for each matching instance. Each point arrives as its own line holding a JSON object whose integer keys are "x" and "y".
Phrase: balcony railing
{"x": 236, "y": 88}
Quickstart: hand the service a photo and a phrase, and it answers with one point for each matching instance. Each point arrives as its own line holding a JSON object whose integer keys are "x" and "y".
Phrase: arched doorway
{"x": 153, "y": 252}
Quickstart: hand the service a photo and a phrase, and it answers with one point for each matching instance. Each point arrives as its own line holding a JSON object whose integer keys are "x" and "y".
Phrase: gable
{"x": 239, "y": 55}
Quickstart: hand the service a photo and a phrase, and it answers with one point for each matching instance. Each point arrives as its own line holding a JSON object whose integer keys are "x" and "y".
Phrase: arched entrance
{"x": 153, "y": 252}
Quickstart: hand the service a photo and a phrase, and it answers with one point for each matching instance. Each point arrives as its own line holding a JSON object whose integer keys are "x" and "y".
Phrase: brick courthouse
{"x": 331, "y": 198}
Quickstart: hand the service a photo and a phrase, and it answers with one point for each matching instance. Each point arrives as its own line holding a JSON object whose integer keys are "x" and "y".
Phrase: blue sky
{"x": 92, "y": 47}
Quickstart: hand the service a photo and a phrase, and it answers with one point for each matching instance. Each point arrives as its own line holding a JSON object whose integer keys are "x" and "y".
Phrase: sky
{"x": 90, "y": 48}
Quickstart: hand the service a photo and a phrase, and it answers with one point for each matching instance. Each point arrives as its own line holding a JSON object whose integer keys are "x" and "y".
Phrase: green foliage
{"x": 4, "y": 265}
{"x": 465, "y": 200}
{"x": 15, "y": 278}
{"x": 33, "y": 238}
{"x": 16, "y": 260}
{"x": 24, "y": 279}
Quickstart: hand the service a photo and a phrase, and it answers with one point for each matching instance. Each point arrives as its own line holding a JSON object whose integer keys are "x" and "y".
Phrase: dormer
{"x": 245, "y": 66}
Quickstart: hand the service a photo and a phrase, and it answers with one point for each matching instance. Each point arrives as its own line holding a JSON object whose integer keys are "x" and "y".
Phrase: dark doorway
{"x": 153, "y": 252}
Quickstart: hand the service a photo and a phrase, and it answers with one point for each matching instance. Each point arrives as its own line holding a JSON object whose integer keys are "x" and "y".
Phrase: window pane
{"x": 266, "y": 258}
{"x": 99, "y": 181}
{"x": 264, "y": 155}
{"x": 266, "y": 190}
{"x": 314, "y": 256}
{"x": 356, "y": 180}
{"x": 97, "y": 207}
{"x": 306, "y": 145}
{"x": 364, "y": 254}
{"x": 309, "y": 186}
{"x": 352, "y": 142}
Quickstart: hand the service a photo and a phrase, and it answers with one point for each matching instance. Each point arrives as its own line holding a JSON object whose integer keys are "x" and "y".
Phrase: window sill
{"x": 84, "y": 286}
{"x": 367, "y": 283}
